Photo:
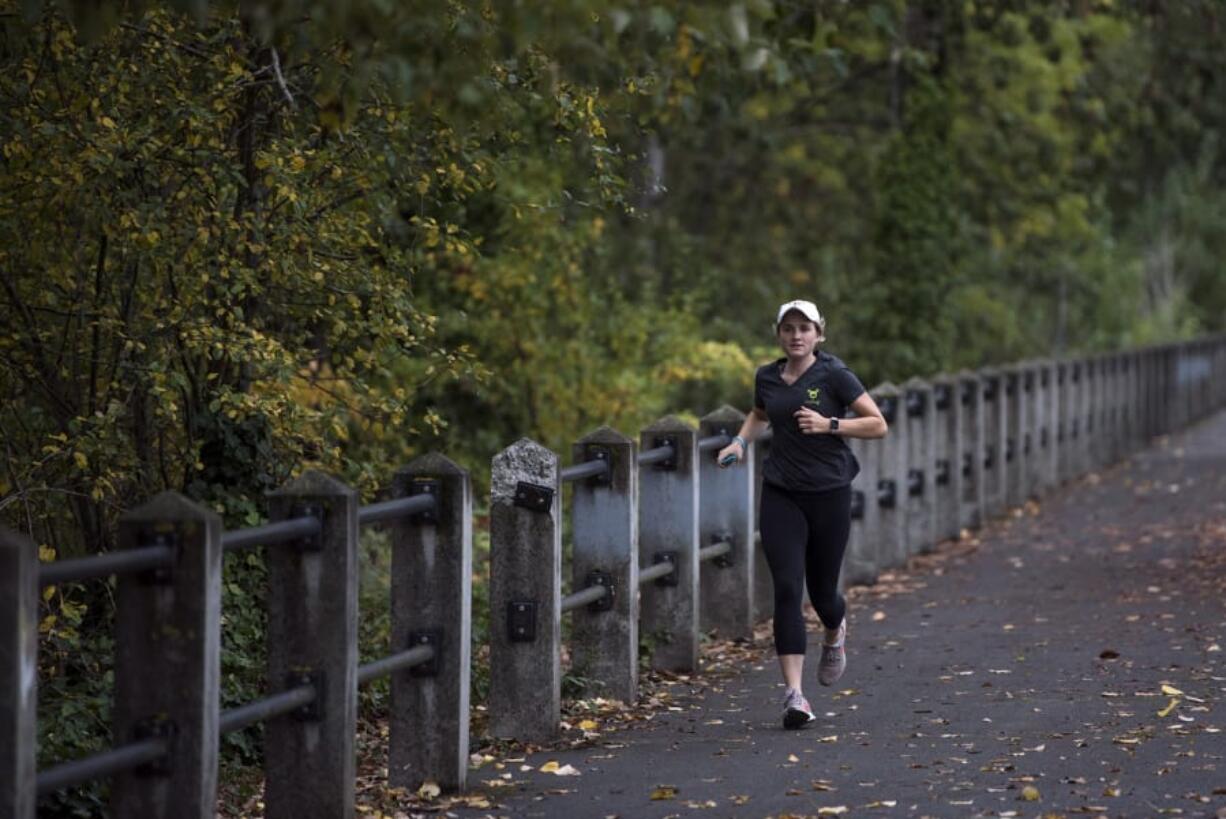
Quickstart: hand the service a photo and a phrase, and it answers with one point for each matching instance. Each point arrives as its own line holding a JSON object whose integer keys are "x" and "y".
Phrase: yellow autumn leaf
{"x": 664, "y": 792}
{"x": 429, "y": 790}
{"x": 1170, "y": 706}
{"x": 82, "y": 461}
{"x": 46, "y": 553}
{"x": 550, "y": 766}
{"x": 1030, "y": 793}
{"x": 834, "y": 810}
{"x": 589, "y": 724}
{"x": 106, "y": 122}
{"x": 1171, "y": 691}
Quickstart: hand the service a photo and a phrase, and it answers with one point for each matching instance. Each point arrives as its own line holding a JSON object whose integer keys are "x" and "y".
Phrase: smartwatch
{"x": 834, "y": 424}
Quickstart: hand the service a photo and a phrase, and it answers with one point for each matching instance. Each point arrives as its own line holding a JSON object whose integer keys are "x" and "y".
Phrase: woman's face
{"x": 797, "y": 335}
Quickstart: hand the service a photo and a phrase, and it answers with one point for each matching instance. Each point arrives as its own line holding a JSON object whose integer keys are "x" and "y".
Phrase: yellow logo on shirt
{"x": 814, "y": 392}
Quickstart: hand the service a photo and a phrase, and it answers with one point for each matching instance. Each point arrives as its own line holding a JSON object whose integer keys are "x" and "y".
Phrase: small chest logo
{"x": 814, "y": 393}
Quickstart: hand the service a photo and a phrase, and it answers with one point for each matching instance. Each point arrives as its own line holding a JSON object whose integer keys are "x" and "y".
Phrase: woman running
{"x": 805, "y": 508}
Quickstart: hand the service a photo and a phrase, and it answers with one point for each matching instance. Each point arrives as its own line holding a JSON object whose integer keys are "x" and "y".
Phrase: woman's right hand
{"x": 730, "y": 455}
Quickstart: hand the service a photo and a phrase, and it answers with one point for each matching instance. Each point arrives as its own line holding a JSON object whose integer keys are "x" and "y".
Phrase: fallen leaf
{"x": 428, "y": 790}
{"x": 793, "y": 758}
{"x": 550, "y": 767}
{"x": 1031, "y": 794}
{"x": 1171, "y": 691}
{"x": 1170, "y": 706}
{"x": 822, "y": 785}
{"x": 589, "y": 724}
{"x": 663, "y": 792}
{"x": 567, "y": 770}
{"x": 739, "y": 798}
{"x": 835, "y": 810}
{"x": 878, "y": 616}
{"x": 1108, "y": 654}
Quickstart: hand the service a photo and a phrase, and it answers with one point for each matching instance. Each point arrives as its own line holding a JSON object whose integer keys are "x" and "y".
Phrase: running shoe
{"x": 796, "y": 710}
{"x": 834, "y": 658}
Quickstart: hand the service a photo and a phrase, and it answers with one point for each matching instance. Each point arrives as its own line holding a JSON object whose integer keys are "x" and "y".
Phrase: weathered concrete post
{"x": 969, "y": 461}
{"x": 1047, "y": 399}
{"x": 18, "y": 674}
{"x": 891, "y": 496}
{"x": 764, "y": 586}
{"x": 725, "y": 512}
{"x": 432, "y": 569}
{"x": 1079, "y": 431}
{"x": 309, "y": 757}
{"x": 1016, "y": 424}
{"x": 525, "y": 699}
{"x": 168, "y": 660}
{"x": 605, "y": 529}
{"x": 862, "y": 562}
{"x": 920, "y": 494}
{"x": 996, "y": 432}
{"x": 1030, "y": 442}
{"x": 1062, "y": 429}
{"x": 947, "y": 438}
{"x": 1113, "y": 405}
{"x": 1094, "y": 415}
{"x": 668, "y": 531}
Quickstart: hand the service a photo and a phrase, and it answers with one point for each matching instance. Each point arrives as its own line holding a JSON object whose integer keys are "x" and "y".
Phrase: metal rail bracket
{"x": 432, "y": 637}
{"x": 598, "y": 578}
{"x": 533, "y": 497}
{"x": 425, "y": 486}
{"x": 159, "y": 728}
{"x": 313, "y": 711}
{"x": 168, "y": 537}
{"x": 310, "y": 509}
{"x": 521, "y": 621}
{"x": 668, "y": 464}
{"x": 671, "y": 578}
{"x": 600, "y": 452}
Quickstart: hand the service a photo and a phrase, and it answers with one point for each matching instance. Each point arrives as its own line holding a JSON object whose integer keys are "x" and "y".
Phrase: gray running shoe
{"x": 834, "y": 658}
{"x": 796, "y": 710}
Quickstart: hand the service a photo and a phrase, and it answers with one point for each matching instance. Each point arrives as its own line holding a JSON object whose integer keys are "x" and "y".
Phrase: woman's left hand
{"x": 811, "y": 422}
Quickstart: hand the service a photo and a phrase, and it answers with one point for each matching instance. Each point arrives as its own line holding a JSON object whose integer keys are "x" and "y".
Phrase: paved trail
{"x": 1021, "y": 674}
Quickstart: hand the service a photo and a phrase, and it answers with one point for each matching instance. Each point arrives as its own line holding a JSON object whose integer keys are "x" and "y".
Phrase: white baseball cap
{"x": 807, "y": 309}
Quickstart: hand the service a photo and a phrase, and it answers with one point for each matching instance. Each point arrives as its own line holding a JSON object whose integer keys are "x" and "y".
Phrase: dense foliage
{"x": 241, "y": 240}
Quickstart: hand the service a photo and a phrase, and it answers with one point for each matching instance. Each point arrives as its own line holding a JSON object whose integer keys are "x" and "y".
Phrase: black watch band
{"x": 834, "y": 424}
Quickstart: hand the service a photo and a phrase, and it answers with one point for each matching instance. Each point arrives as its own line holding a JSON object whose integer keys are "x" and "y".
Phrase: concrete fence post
{"x": 1095, "y": 425}
{"x": 947, "y": 444}
{"x": 891, "y": 496}
{"x": 764, "y": 585}
{"x": 1017, "y": 421}
{"x": 605, "y": 531}
{"x": 431, "y": 602}
{"x": 1047, "y": 408}
{"x": 309, "y": 756}
{"x": 1115, "y": 408}
{"x": 525, "y": 698}
{"x": 996, "y": 433}
{"x": 18, "y": 674}
{"x": 1080, "y": 429}
{"x": 969, "y": 461}
{"x": 725, "y": 504}
{"x": 668, "y": 531}
{"x": 920, "y": 494}
{"x": 861, "y": 565}
{"x": 168, "y": 660}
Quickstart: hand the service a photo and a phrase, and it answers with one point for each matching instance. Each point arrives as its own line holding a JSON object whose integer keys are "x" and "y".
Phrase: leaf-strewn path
{"x": 1067, "y": 661}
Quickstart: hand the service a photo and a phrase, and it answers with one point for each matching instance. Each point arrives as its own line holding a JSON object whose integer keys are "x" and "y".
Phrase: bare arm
{"x": 868, "y": 422}
{"x": 755, "y": 422}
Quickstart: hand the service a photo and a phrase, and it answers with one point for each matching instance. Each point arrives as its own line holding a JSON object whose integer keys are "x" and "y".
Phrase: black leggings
{"x": 804, "y": 536}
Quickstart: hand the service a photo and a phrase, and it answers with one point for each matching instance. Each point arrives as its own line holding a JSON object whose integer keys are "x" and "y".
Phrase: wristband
{"x": 737, "y": 439}
{"x": 834, "y": 424}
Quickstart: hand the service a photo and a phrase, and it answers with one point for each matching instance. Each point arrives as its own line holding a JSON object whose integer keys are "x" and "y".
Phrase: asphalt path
{"x": 1066, "y": 660}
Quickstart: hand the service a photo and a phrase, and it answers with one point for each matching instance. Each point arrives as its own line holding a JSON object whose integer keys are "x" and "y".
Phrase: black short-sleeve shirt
{"x": 799, "y": 462}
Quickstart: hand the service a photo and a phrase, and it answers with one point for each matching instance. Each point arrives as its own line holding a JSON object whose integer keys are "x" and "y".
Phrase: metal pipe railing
{"x": 587, "y": 469}
{"x": 714, "y": 550}
{"x": 583, "y": 597}
{"x": 400, "y": 507}
{"x": 270, "y": 534}
{"x": 395, "y": 662}
{"x": 713, "y": 442}
{"x": 655, "y": 572}
{"x": 123, "y": 561}
{"x": 655, "y": 456}
{"x": 116, "y": 760}
{"x": 236, "y": 719}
